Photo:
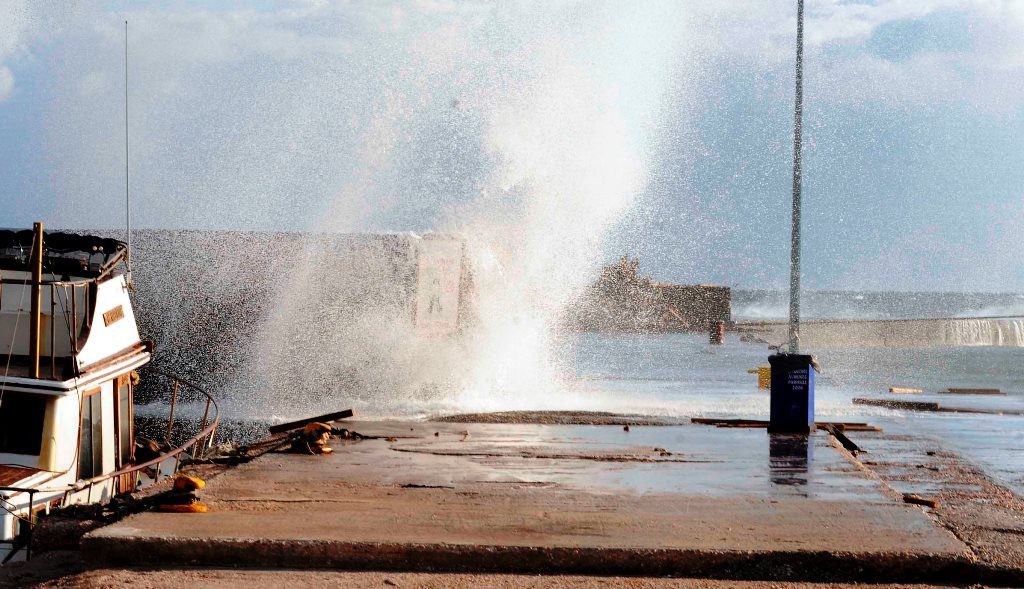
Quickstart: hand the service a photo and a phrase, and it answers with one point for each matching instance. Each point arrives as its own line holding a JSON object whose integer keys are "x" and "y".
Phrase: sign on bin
{"x": 792, "y": 393}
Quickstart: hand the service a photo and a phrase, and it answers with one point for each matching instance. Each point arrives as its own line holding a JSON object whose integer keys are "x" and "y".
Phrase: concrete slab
{"x": 188, "y": 578}
{"x": 674, "y": 500}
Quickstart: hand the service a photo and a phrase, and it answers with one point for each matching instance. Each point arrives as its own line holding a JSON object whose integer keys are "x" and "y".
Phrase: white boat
{"x": 69, "y": 354}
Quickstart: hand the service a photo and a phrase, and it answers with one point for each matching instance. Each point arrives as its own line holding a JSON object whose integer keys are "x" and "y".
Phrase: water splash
{"x": 570, "y": 161}
{"x": 545, "y": 148}
{"x": 985, "y": 332}
{"x": 527, "y": 128}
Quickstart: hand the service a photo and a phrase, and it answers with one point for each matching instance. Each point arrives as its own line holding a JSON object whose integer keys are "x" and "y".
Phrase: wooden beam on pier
{"x": 292, "y": 425}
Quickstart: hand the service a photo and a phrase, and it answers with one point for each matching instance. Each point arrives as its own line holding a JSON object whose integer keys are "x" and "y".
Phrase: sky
{"x": 663, "y": 128}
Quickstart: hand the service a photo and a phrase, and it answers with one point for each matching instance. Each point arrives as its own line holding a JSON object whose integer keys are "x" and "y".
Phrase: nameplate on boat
{"x": 113, "y": 316}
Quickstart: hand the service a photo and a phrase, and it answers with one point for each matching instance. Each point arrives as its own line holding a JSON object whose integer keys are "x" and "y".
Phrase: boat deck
{"x": 11, "y": 474}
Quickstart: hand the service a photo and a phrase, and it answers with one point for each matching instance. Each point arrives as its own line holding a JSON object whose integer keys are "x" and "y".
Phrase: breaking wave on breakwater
{"x": 772, "y": 305}
{"x": 208, "y": 297}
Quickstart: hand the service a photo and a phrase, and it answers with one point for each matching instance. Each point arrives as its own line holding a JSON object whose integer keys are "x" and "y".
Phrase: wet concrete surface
{"x": 985, "y": 515}
{"x": 186, "y": 578}
{"x": 667, "y": 500}
{"x": 692, "y": 460}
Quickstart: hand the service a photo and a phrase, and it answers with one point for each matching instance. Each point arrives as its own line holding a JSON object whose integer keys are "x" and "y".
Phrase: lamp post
{"x": 792, "y": 373}
{"x": 798, "y": 115}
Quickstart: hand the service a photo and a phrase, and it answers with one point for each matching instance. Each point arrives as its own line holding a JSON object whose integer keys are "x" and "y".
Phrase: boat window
{"x": 21, "y": 422}
{"x": 90, "y": 449}
{"x": 124, "y": 422}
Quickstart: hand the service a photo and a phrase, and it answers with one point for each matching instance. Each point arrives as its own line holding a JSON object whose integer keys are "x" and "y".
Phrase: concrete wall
{"x": 209, "y": 298}
{"x": 901, "y": 333}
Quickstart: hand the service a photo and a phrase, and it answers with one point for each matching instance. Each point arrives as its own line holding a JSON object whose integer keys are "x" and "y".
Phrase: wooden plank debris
{"x": 905, "y": 391}
{"x": 838, "y": 434}
{"x": 919, "y": 500}
{"x": 894, "y": 404}
{"x": 755, "y": 423}
{"x": 328, "y": 417}
{"x": 929, "y": 406}
{"x": 958, "y": 391}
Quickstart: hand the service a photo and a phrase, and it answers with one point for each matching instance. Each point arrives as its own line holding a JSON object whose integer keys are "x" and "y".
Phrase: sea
{"x": 681, "y": 375}
{"x": 677, "y": 374}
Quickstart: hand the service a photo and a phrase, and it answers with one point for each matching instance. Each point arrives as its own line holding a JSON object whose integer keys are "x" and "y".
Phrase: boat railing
{"x": 70, "y": 299}
{"x": 70, "y": 319}
{"x": 19, "y": 541}
{"x": 167, "y": 463}
{"x": 129, "y": 478}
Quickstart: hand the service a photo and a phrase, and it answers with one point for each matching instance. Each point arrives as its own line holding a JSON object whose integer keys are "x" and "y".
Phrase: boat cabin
{"x": 69, "y": 348}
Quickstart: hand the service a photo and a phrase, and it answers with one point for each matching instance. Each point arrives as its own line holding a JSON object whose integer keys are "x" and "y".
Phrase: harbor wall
{"x": 896, "y": 333}
{"x": 238, "y": 311}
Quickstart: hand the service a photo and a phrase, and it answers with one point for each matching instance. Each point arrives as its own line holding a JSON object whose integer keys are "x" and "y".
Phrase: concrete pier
{"x": 684, "y": 500}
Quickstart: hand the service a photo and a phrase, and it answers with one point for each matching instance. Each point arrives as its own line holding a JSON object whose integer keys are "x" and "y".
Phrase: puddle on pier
{"x": 690, "y": 459}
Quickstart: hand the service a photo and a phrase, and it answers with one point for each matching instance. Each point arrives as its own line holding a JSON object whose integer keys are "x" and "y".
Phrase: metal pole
{"x": 74, "y": 318}
{"x": 127, "y": 199}
{"x": 794, "y": 262}
{"x": 53, "y": 329}
{"x": 170, "y": 418}
{"x": 36, "y": 264}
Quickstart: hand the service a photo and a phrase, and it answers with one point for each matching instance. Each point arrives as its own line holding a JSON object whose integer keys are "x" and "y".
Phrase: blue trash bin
{"x": 792, "y": 393}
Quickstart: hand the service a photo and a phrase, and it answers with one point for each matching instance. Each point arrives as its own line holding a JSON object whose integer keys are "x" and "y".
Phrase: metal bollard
{"x": 717, "y": 335}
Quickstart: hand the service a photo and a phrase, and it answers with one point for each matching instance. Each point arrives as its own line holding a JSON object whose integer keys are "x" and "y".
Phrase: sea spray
{"x": 546, "y": 141}
{"x": 568, "y": 169}
{"x": 525, "y": 128}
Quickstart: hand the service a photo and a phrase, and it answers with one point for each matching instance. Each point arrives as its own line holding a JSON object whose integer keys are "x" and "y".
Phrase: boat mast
{"x": 36, "y": 263}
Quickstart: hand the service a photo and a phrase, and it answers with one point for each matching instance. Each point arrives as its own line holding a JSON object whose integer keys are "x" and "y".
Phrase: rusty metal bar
{"x": 21, "y": 281}
{"x": 31, "y": 523}
{"x": 170, "y": 418}
{"x": 88, "y": 307}
{"x": 53, "y": 330}
{"x": 74, "y": 319}
{"x": 202, "y": 427}
{"x": 206, "y": 415}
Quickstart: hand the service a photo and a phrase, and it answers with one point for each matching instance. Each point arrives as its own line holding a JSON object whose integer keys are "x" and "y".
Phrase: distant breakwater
{"x": 894, "y": 333}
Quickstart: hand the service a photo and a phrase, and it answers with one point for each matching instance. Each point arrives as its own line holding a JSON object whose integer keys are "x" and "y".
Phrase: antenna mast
{"x": 127, "y": 197}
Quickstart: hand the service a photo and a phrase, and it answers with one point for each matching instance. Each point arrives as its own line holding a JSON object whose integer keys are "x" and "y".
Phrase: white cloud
{"x": 22, "y": 24}
{"x": 836, "y": 21}
{"x": 271, "y": 113}
{"x": 13, "y": 24}
{"x": 841, "y": 67}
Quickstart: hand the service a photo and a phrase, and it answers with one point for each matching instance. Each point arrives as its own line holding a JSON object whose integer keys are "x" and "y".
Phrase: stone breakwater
{"x": 895, "y": 333}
